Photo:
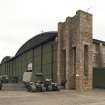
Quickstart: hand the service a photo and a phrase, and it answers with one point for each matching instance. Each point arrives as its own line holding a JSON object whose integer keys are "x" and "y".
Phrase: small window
{"x": 29, "y": 67}
{"x": 86, "y": 61}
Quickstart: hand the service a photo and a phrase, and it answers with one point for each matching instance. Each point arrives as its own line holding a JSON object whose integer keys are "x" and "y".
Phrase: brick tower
{"x": 75, "y": 52}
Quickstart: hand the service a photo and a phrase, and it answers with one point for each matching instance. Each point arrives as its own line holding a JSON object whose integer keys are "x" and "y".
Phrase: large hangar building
{"x": 40, "y": 51}
{"x": 70, "y": 56}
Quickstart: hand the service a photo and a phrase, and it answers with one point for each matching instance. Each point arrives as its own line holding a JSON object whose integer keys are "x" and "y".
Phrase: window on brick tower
{"x": 86, "y": 61}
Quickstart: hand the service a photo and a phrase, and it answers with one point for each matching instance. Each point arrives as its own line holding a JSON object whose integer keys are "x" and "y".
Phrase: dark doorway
{"x": 74, "y": 68}
{"x": 64, "y": 68}
{"x": 99, "y": 78}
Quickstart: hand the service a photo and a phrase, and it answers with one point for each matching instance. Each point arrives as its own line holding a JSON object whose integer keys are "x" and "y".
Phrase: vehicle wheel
{"x": 43, "y": 89}
{"x": 50, "y": 88}
{"x": 33, "y": 89}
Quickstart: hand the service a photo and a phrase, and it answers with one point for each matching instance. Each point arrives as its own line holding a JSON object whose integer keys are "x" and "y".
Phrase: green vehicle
{"x": 41, "y": 84}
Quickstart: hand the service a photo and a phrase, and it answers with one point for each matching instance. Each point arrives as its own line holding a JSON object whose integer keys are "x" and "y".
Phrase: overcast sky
{"x": 22, "y": 19}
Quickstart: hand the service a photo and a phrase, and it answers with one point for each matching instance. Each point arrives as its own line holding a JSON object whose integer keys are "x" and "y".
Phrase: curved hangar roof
{"x": 5, "y": 59}
{"x": 36, "y": 41}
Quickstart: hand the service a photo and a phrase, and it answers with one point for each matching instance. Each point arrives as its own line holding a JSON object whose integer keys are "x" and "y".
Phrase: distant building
{"x": 70, "y": 56}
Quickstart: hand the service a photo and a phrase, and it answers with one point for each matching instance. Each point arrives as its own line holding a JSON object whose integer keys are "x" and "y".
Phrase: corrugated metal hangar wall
{"x": 43, "y": 58}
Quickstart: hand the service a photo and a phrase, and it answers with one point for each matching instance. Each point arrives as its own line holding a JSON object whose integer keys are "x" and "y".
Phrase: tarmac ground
{"x": 16, "y": 94}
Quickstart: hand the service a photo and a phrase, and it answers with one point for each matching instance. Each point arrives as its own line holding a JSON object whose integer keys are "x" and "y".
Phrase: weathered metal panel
{"x": 24, "y": 62}
{"x": 54, "y": 61}
{"x": 0, "y": 69}
{"x": 8, "y": 68}
{"x": 16, "y": 67}
{"x": 3, "y": 69}
{"x": 29, "y": 56}
{"x": 47, "y": 60}
{"x": 36, "y": 62}
{"x": 20, "y": 67}
{"x": 11, "y": 70}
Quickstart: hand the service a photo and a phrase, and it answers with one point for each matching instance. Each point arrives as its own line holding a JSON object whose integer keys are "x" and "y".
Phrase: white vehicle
{"x": 27, "y": 77}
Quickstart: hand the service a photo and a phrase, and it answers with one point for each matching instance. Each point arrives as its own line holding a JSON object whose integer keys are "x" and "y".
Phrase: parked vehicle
{"x": 4, "y": 78}
{"x": 50, "y": 86}
{"x": 47, "y": 85}
{"x": 31, "y": 87}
